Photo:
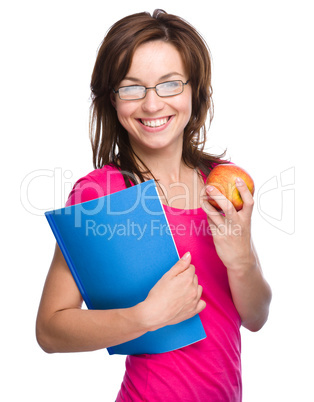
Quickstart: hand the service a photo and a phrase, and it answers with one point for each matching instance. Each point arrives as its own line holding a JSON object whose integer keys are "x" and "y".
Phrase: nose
{"x": 152, "y": 102}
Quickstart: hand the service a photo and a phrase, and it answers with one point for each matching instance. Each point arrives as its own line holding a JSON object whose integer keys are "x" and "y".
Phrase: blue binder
{"x": 117, "y": 247}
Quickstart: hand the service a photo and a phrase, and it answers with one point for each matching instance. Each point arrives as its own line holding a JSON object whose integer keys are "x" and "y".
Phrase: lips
{"x": 155, "y": 123}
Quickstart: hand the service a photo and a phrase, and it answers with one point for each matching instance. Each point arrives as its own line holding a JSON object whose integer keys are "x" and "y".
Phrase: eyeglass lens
{"x": 133, "y": 92}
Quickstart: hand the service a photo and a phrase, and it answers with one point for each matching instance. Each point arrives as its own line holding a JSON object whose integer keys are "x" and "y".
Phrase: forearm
{"x": 62, "y": 326}
{"x": 78, "y": 330}
{"x": 251, "y": 294}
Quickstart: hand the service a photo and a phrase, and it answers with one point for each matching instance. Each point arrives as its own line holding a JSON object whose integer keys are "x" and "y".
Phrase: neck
{"x": 176, "y": 182}
{"x": 166, "y": 166}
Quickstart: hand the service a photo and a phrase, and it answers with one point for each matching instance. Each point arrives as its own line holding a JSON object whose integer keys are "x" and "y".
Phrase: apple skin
{"x": 223, "y": 177}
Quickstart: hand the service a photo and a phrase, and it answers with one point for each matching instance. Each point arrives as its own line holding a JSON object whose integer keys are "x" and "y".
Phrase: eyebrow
{"x": 164, "y": 77}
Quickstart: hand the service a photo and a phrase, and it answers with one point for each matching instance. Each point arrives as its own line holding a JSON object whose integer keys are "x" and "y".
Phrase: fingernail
{"x": 186, "y": 256}
{"x": 209, "y": 189}
{"x": 239, "y": 181}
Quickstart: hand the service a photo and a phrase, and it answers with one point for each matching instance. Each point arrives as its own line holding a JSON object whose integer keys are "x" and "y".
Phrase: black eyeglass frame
{"x": 155, "y": 88}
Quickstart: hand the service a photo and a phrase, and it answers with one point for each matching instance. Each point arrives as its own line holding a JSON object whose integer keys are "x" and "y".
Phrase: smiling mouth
{"x": 155, "y": 123}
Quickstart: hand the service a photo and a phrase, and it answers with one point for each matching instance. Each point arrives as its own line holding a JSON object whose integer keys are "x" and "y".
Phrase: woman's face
{"x": 155, "y": 123}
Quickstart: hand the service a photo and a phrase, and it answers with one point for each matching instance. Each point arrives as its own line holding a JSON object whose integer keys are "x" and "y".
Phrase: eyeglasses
{"x": 164, "y": 90}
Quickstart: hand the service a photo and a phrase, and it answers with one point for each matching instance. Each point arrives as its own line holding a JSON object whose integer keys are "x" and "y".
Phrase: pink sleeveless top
{"x": 209, "y": 370}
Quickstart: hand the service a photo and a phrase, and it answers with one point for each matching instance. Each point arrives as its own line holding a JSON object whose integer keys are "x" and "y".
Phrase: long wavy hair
{"x": 109, "y": 139}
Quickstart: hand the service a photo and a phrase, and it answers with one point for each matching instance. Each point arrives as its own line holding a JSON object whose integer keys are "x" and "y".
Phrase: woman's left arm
{"x": 231, "y": 232}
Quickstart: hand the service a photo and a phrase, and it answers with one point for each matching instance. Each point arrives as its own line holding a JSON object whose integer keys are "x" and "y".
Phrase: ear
{"x": 113, "y": 99}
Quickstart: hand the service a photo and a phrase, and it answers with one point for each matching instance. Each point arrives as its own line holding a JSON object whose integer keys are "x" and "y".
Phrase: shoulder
{"x": 98, "y": 183}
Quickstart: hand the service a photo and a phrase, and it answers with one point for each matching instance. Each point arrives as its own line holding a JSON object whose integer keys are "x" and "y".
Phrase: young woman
{"x": 151, "y": 91}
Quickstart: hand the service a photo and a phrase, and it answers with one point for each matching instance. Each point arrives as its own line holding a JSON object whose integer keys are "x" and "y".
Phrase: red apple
{"x": 223, "y": 177}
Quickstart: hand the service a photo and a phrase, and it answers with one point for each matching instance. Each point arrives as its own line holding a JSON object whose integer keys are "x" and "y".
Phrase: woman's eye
{"x": 133, "y": 89}
{"x": 171, "y": 85}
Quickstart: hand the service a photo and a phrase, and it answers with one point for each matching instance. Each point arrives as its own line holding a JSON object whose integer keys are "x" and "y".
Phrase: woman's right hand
{"x": 63, "y": 326}
{"x": 175, "y": 297}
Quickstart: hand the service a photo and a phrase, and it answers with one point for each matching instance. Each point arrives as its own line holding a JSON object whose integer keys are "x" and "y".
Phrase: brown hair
{"x": 110, "y": 141}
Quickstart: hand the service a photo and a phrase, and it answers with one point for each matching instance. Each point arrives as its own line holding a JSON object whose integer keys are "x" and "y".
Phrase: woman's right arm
{"x": 63, "y": 326}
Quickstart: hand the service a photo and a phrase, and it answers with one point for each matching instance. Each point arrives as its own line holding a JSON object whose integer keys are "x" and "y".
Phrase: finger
{"x": 200, "y": 306}
{"x": 246, "y": 195}
{"x": 189, "y": 272}
{"x": 209, "y": 209}
{"x": 199, "y": 291}
{"x": 223, "y": 203}
{"x": 213, "y": 216}
{"x": 218, "y": 221}
{"x": 195, "y": 281}
{"x": 182, "y": 265}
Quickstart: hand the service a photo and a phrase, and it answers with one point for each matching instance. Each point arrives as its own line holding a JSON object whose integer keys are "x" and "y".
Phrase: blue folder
{"x": 117, "y": 247}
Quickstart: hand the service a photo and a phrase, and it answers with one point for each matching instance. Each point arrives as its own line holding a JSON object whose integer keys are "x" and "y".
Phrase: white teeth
{"x": 154, "y": 123}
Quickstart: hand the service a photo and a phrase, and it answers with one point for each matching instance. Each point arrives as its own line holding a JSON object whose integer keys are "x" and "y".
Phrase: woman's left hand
{"x": 231, "y": 229}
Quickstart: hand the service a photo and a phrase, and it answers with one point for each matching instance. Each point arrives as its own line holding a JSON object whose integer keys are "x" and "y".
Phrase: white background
{"x": 263, "y": 93}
